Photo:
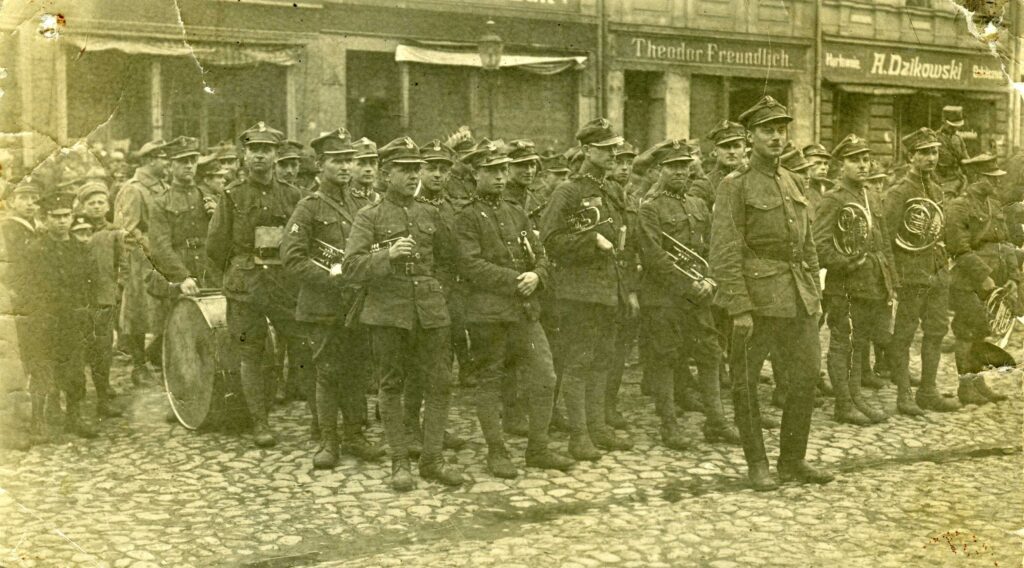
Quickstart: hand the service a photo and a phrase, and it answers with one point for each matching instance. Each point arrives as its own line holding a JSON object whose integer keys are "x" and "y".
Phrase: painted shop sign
{"x": 712, "y": 52}
{"x": 848, "y": 63}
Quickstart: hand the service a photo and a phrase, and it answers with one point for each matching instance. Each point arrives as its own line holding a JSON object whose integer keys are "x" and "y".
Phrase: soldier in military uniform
{"x": 54, "y": 283}
{"x": 140, "y": 312}
{"x": 556, "y": 170}
{"x": 730, "y": 151}
{"x": 312, "y": 249}
{"x": 289, "y": 158}
{"x": 592, "y": 289}
{"x": 460, "y": 185}
{"x": 211, "y": 179}
{"x": 676, "y": 308}
{"x": 983, "y": 259}
{"x": 230, "y": 161}
{"x": 952, "y": 152}
{"x": 817, "y": 174}
{"x": 437, "y": 166}
{"x": 859, "y": 283}
{"x": 503, "y": 265}
{"x": 400, "y": 250}
{"x": 365, "y": 168}
{"x": 922, "y": 275}
{"x": 763, "y": 258}
{"x": 243, "y": 241}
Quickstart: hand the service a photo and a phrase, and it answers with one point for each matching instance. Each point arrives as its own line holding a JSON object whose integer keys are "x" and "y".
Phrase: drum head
{"x": 193, "y": 342}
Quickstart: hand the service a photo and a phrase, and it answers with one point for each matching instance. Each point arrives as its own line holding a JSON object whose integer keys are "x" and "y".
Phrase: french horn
{"x": 852, "y": 233}
{"x": 922, "y": 227}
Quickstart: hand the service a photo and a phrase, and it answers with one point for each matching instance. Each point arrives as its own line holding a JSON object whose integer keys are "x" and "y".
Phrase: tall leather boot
{"x": 435, "y": 419}
{"x": 612, "y": 416}
{"x": 581, "y": 448}
{"x": 716, "y": 427}
{"x": 663, "y": 384}
{"x": 325, "y": 401}
{"x": 845, "y": 411}
{"x": 601, "y": 433}
{"x": 854, "y": 384}
{"x": 488, "y": 412}
{"x": 905, "y": 403}
{"x": 254, "y": 389}
{"x": 928, "y": 397}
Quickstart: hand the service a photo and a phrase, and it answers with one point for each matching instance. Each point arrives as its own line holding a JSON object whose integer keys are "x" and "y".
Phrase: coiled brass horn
{"x": 687, "y": 261}
{"x": 852, "y": 232}
{"x": 1000, "y": 314}
{"x": 923, "y": 223}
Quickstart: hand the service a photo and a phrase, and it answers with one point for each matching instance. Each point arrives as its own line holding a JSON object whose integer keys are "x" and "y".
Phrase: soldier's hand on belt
{"x": 526, "y": 283}
{"x": 603, "y": 243}
{"x": 401, "y": 248}
{"x": 189, "y": 287}
{"x": 743, "y": 324}
{"x": 632, "y": 305}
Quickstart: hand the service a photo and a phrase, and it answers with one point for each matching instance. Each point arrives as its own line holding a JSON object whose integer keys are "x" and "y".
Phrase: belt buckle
{"x": 410, "y": 268}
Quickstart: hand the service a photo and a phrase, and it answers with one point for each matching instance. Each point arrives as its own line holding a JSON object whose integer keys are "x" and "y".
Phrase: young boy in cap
{"x": 817, "y": 173}
{"x": 859, "y": 283}
{"x": 764, "y": 261}
{"x": 244, "y": 241}
{"x": 978, "y": 238}
{"x": 400, "y": 250}
{"x": 592, "y": 287}
{"x": 503, "y": 265}
{"x": 922, "y": 274}
{"x": 288, "y": 161}
{"x": 676, "y": 309}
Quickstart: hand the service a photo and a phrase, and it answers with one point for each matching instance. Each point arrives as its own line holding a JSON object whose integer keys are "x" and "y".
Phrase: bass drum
{"x": 201, "y": 365}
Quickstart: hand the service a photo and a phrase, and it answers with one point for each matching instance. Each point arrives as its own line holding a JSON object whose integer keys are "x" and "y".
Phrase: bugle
{"x": 327, "y": 257}
{"x": 688, "y": 262}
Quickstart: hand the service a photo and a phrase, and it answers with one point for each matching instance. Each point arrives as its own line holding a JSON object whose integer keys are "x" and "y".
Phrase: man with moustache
{"x": 503, "y": 265}
{"x": 922, "y": 276}
{"x": 401, "y": 251}
{"x": 764, "y": 261}
{"x": 859, "y": 290}
{"x": 244, "y": 242}
{"x": 592, "y": 287}
{"x": 340, "y": 353}
{"x": 140, "y": 312}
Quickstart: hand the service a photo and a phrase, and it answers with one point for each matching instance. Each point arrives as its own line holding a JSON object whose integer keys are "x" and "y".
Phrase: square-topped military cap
{"x": 555, "y": 162}
{"x": 984, "y": 164}
{"x": 766, "y": 110}
{"x": 671, "y": 151}
{"x": 598, "y": 132}
{"x": 625, "y": 149}
{"x": 519, "y": 151}
{"x": 335, "y": 142}
{"x": 953, "y": 115}
{"x": 921, "y": 139}
{"x": 727, "y": 131}
{"x": 260, "y": 133}
{"x": 400, "y": 151}
{"x": 485, "y": 154}
{"x": 289, "y": 150}
{"x": 365, "y": 148}
{"x": 435, "y": 151}
{"x": 182, "y": 147}
{"x": 153, "y": 148}
{"x": 812, "y": 150}
{"x": 851, "y": 146}
{"x": 794, "y": 161}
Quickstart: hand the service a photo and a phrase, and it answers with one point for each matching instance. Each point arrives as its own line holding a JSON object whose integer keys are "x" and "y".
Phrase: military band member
{"x": 140, "y": 312}
{"x": 366, "y": 166}
{"x": 676, "y": 308}
{"x": 230, "y": 160}
{"x": 730, "y": 152}
{"x": 556, "y": 170}
{"x": 817, "y": 173}
{"x": 763, "y": 258}
{"x": 859, "y": 282}
{"x": 983, "y": 260}
{"x": 504, "y": 265}
{"x": 592, "y": 287}
{"x": 289, "y": 158}
{"x": 243, "y": 241}
{"x": 312, "y": 249}
{"x": 461, "y": 184}
{"x": 923, "y": 275}
{"x": 400, "y": 250}
{"x": 952, "y": 152}
{"x": 211, "y": 179}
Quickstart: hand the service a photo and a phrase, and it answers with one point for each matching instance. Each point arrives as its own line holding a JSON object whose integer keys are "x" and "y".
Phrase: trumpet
{"x": 524, "y": 242}
{"x": 852, "y": 232}
{"x": 586, "y": 219}
{"x": 688, "y": 262}
{"x": 923, "y": 224}
{"x": 327, "y": 257}
{"x": 999, "y": 307}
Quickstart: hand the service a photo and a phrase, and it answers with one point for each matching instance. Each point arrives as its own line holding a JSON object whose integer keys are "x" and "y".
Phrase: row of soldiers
{"x": 396, "y": 258}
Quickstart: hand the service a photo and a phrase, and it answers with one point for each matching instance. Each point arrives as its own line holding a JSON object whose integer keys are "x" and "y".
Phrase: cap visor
{"x": 956, "y": 123}
{"x": 438, "y": 159}
{"x": 679, "y": 159}
{"x": 614, "y": 141}
{"x": 494, "y": 162}
{"x": 532, "y": 158}
{"x": 406, "y": 161}
{"x": 289, "y": 157}
{"x": 926, "y": 146}
{"x": 853, "y": 153}
{"x": 336, "y": 152}
{"x": 728, "y": 139}
{"x": 781, "y": 118}
{"x": 184, "y": 155}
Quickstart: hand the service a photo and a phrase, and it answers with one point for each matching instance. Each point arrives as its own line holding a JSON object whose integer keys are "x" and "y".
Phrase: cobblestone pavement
{"x": 941, "y": 490}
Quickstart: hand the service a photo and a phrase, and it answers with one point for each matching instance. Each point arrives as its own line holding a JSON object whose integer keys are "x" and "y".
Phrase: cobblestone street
{"x": 943, "y": 490}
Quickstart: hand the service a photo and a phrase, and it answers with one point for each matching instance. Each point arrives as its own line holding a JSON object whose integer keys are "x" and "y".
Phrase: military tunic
{"x": 950, "y": 171}
{"x": 178, "y": 229}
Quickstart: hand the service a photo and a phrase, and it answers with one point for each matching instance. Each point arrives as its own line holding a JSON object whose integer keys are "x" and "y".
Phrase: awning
{"x": 543, "y": 65}
{"x": 208, "y": 53}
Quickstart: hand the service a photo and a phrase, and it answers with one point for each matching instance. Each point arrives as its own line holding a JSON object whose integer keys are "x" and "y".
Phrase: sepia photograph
{"x": 511, "y": 283}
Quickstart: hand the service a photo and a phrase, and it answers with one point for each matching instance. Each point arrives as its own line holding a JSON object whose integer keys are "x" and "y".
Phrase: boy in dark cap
{"x": 288, "y": 161}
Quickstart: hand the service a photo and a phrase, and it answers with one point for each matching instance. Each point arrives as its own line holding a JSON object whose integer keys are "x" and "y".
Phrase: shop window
{"x": 642, "y": 115}
{"x": 541, "y": 108}
{"x": 438, "y": 100}
{"x": 374, "y": 95}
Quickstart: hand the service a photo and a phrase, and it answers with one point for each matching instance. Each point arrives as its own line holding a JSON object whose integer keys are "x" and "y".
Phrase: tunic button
{"x": 790, "y": 220}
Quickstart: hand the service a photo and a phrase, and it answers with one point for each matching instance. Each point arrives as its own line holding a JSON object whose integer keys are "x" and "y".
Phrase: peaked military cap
{"x": 672, "y": 151}
{"x": 80, "y": 223}
{"x": 519, "y": 151}
{"x": 435, "y": 151}
{"x": 984, "y": 164}
{"x": 921, "y": 139}
{"x": 27, "y": 186}
{"x": 877, "y": 172}
{"x": 227, "y": 152}
{"x": 816, "y": 150}
{"x": 625, "y": 149}
{"x": 574, "y": 156}
{"x": 56, "y": 203}
{"x": 260, "y": 133}
{"x": 365, "y": 148}
{"x": 727, "y": 131}
{"x": 182, "y": 147}
{"x": 953, "y": 115}
{"x": 485, "y": 154}
{"x": 290, "y": 150}
{"x": 766, "y": 110}
{"x": 598, "y": 132}
{"x": 154, "y": 148}
{"x": 794, "y": 161}
{"x": 337, "y": 141}
{"x": 851, "y": 146}
{"x": 555, "y": 162}
{"x": 209, "y": 165}
{"x": 400, "y": 151}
